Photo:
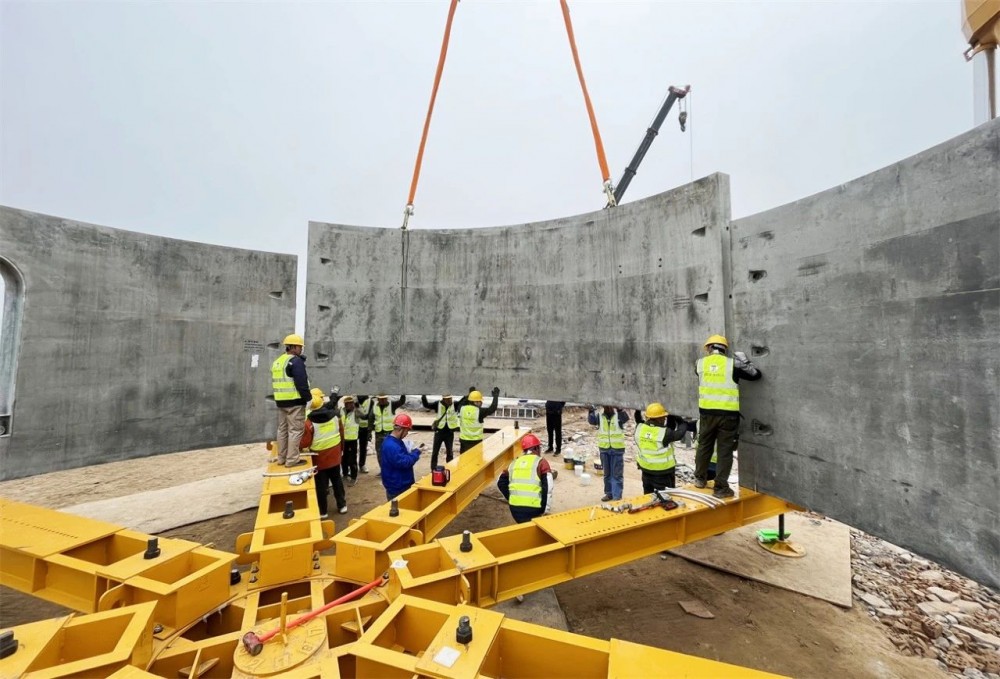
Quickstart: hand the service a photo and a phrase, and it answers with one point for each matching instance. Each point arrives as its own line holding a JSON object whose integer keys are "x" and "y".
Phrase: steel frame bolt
{"x": 466, "y": 545}
{"x": 157, "y": 628}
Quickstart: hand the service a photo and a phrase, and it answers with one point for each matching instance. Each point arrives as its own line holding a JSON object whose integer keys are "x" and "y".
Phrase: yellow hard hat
{"x": 294, "y": 340}
{"x": 316, "y": 403}
{"x": 655, "y": 410}
{"x": 475, "y": 396}
{"x": 717, "y": 339}
{"x": 348, "y": 399}
{"x": 317, "y": 392}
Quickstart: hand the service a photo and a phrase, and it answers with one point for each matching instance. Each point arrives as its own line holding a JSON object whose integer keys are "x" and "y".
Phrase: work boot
{"x": 363, "y": 470}
{"x": 700, "y": 483}
{"x": 723, "y": 492}
{"x": 342, "y": 510}
{"x": 606, "y": 498}
{"x": 294, "y": 463}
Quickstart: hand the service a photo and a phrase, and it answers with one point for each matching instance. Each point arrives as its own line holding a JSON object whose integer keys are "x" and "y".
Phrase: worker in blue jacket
{"x": 398, "y": 458}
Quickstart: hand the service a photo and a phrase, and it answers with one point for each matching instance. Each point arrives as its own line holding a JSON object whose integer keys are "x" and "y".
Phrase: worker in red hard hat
{"x": 398, "y": 457}
{"x": 526, "y": 482}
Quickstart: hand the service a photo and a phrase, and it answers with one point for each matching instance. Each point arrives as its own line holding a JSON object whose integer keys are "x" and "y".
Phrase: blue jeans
{"x": 613, "y": 462}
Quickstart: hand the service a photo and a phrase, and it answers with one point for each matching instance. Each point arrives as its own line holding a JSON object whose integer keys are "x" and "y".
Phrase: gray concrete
{"x": 879, "y": 304}
{"x": 606, "y": 306}
{"x": 133, "y": 345}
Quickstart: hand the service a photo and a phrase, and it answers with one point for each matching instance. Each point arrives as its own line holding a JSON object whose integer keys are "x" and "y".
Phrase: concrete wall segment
{"x": 134, "y": 345}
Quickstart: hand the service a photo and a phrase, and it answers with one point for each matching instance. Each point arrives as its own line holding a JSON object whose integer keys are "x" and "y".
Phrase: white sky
{"x": 236, "y": 123}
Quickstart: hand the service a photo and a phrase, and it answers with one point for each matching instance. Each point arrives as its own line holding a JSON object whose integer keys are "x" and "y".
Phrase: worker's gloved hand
{"x": 471, "y": 389}
{"x": 496, "y": 391}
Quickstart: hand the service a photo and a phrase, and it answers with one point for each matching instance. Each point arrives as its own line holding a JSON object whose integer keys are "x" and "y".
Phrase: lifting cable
{"x": 598, "y": 144}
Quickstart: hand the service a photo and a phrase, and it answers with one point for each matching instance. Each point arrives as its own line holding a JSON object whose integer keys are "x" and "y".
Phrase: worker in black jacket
{"x": 553, "y": 424}
{"x": 445, "y": 425}
{"x": 471, "y": 415}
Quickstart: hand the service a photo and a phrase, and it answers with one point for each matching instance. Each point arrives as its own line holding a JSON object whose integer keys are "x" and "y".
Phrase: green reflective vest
{"x": 610, "y": 433}
{"x": 447, "y": 418}
{"x": 652, "y": 457}
{"x": 383, "y": 418}
{"x": 282, "y": 384}
{"x": 525, "y": 484}
{"x": 472, "y": 428}
{"x": 325, "y": 435}
{"x": 717, "y": 390}
{"x": 351, "y": 426}
{"x": 364, "y": 408}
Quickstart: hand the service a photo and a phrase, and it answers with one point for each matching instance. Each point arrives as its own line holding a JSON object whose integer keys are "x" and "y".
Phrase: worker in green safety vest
{"x": 471, "y": 415}
{"x": 719, "y": 411}
{"x": 352, "y": 432}
{"x": 290, "y": 387}
{"x": 655, "y": 441}
{"x": 324, "y": 436}
{"x": 526, "y": 481}
{"x": 444, "y": 426}
{"x": 610, "y": 423}
{"x": 380, "y": 420}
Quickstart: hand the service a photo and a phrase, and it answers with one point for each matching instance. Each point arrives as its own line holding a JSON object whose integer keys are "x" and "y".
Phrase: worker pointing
{"x": 719, "y": 410}
{"x": 472, "y": 414}
{"x": 290, "y": 385}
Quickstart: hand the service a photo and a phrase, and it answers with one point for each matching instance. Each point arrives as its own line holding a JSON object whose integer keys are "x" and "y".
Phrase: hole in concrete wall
{"x": 325, "y": 260}
{"x": 324, "y": 307}
{"x": 11, "y": 306}
{"x": 699, "y": 232}
{"x": 659, "y": 262}
{"x": 757, "y": 274}
{"x": 758, "y": 351}
{"x": 276, "y": 294}
{"x": 703, "y": 298}
{"x": 761, "y": 429}
{"x": 269, "y": 397}
{"x": 274, "y": 345}
{"x": 320, "y": 356}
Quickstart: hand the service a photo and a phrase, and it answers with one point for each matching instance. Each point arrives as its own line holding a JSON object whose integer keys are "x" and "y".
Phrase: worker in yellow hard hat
{"x": 290, "y": 385}
{"x": 471, "y": 415}
{"x": 380, "y": 420}
{"x": 719, "y": 411}
{"x": 655, "y": 440}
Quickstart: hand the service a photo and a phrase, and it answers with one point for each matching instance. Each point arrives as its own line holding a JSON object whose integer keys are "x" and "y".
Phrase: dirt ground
{"x": 755, "y": 626}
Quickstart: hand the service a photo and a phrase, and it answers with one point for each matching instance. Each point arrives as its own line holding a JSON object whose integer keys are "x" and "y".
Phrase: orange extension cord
{"x": 598, "y": 144}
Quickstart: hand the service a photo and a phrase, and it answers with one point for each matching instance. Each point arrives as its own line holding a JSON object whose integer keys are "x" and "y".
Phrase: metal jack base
{"x": 784, "y": 548}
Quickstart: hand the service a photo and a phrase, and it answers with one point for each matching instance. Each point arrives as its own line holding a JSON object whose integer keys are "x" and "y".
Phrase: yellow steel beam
{"x": 424, "y": 509}
{"x": 507, "y": 562}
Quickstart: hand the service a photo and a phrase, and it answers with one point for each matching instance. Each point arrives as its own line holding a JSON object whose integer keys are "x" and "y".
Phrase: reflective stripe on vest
{"x": 383, "y": 418}
{"x": 450, "y": 420}
{"x": 525, "y": 484}
{"x": 472, "y": 428}
{"x": 363, "y": 410}
{"x": 351, "y": 426}
{"x": 651, "y": 456}
{"x": 717, "y": 390}
{"x": 325, "y": 435}
{"x": 281, "y": 383}
{"x": 610, "y": 433}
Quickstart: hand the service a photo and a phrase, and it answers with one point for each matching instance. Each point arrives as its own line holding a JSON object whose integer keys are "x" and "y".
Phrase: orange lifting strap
{"x": 599, "y": 145}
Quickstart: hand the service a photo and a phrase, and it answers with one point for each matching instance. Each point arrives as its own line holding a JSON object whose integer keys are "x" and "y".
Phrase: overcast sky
{"x": 235, "y": 123}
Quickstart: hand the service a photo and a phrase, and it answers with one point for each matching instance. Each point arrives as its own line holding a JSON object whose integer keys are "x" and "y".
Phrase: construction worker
{"x": 324, "y": 435}
{"x": 553, "y": 424}
{"x": 526, "y": 481}
{"x": 444, "y": 426}
{"x": 719, "y": 410}
{"x": 290, "y": 385}
{"x": 398, "y": 457}
{"x": 316, "y": 395}
{"x": 352, "y": 431}
{"x": 472, "y": 414}
{"x": 364, "y": 431}
{"x": 610, "y": 424}
{"x": 380, "y": 420}
{"x": 656, "y": 447}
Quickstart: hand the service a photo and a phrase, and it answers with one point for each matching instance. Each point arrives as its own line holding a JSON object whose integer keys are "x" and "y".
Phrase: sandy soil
{"x": 755, "y": 625}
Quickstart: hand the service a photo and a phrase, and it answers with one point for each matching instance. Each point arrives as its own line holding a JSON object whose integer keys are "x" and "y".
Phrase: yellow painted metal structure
{"x": 175, "y": 614}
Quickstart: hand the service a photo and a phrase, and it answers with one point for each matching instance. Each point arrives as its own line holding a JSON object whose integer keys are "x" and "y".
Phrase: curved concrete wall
{"x": 874, "y": 307}
{"x": 607, "y": 306}
{"x": 133, "y": 345}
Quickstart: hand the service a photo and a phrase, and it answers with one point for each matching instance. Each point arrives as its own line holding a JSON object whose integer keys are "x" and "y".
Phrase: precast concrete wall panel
{"x": 610, "y": 306}
{"x": 133, "y": 345}
{"x": 874, "y": 312}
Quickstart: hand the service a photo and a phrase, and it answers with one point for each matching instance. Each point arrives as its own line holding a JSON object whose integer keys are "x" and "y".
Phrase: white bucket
{"x": 584, "y": 479}
{"x": 578, "y": 470}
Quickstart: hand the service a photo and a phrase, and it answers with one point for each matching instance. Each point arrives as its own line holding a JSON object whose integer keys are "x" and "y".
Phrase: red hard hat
{"x": 530, "y": 441}
{"x": 402, "y": 420}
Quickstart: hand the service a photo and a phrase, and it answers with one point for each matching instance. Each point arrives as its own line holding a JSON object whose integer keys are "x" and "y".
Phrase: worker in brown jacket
{"x": 324, "y": 436}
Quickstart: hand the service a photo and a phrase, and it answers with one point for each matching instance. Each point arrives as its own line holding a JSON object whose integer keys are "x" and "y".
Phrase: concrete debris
{"x": 696, "y": 608}
{"x": 927, "y": 612}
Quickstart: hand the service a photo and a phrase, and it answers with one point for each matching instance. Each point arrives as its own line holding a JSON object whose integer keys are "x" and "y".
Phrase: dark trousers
{"x": 364, "y": 435}
{"x": 657, "y": 480}
{"x": 379, "y": 437}
{"x": 525, "y": 514}
{"x": 464, "y": 445}
{"x": 325, "y": 477}
{"x": 553, "y": 424}
{"x": 443, "y": 438}
{"x": 712, "y": 429}
{"x": 349, "y": 463}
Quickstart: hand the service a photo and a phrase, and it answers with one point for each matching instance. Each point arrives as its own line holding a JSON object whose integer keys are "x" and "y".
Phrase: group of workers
{"x": 338, "y": 436}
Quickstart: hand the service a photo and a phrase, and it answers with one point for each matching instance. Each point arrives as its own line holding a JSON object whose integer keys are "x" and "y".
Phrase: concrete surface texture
{"x": 875, "y": 308}
{"x": 606, "y": 306}
{"x": 132, "y": 345}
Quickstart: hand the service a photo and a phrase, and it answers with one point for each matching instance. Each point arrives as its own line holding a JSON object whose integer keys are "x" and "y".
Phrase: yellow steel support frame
{"x": 176, "y": 615}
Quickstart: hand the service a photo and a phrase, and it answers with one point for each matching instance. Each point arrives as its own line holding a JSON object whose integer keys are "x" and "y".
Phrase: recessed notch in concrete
{"x": 325, "y": 260}
{"x": 699, "y": 232}
{"x": 759, "y": 350}
{"x": 324, "y": 307}
{"x": 757, "y": 274}
{"x": 276, "y": 294}
{"x": 760, "y": 428}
